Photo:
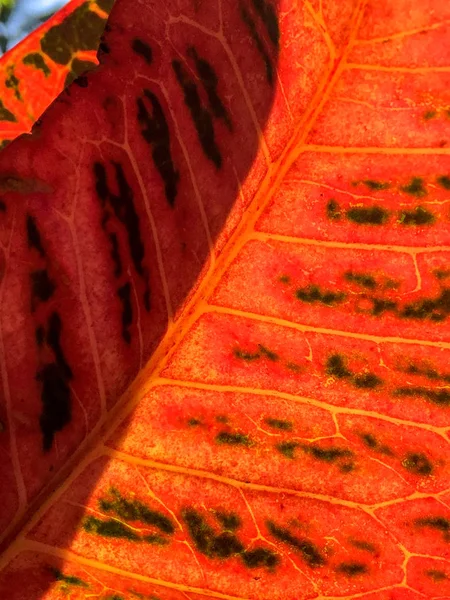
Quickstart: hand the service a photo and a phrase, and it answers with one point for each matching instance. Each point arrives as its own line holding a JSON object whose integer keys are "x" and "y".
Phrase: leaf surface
{"x": 38, "y": 68}
{"x": 225, "y": 305}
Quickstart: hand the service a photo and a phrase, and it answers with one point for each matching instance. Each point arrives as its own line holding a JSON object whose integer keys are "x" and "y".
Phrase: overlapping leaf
{"x": 35, "y": 71}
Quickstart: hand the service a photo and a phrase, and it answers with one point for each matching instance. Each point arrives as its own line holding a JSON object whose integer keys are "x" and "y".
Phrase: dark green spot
{"x": 105, "y": 5}
{"x": 12, "y": 82}
{"x": 194, "y": 422}
{"x": 439, "y": 397}
{"x": 334, "y": 212}
{"x": 436, "y": 309}
{"x": 366, "y": 281}
{"x": 134, "y": 510}
{"x": 307, "y": 549}
{"x": 326, "y": 454}
{"x": 352, "y": 569}
{"x": 444, "y": 181}
{"x": 369, "y": 440}
{"x": 417, "y": 463}
{"x": 279, "y": 424}
{"x": 284, "y": 279}
{"x": 260, "y": 557}
{"x": 69, "y": 579}
{"x": 312, "y": 294}
{"x": 287, "y": 449}
{"x": 80, "y": 30}
{"x": 244, "y": 355}
{"x": 293, "y": 367}
{"x": 230, "y": 521}
{"x": 370, "y": 215}
{"x": 380, "y": 305}
{"x": 37, "y": 61}
{"x": 415, "y": 188}
{"x": 110, "y": 528}
{"x": 376, "y": 185}
{"x": 439, "y": 523}
{"x": 416, "y": 217}
{"x": 233, "y": 439}
{"x": 6, "y": 115}
{"x": 268, "y": 353}
{"x": 336, "y": 367}
{"x": 367, "y": 381}
{"x": 429, "y": 114}
{"x": 363, "y": 545}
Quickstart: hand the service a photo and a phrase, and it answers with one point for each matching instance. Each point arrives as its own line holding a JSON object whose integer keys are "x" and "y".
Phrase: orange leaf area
{"x": 38, "y": 68}
{"x": 237, "y": 281}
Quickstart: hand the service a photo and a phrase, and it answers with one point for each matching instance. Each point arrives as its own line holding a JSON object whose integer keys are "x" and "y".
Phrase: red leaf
{"x": 224, "y": 332}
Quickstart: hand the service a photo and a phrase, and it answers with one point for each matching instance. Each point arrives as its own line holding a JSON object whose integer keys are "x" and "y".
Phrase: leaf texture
{"x": 225, "y": 303}
{"x": 35, "y": 71}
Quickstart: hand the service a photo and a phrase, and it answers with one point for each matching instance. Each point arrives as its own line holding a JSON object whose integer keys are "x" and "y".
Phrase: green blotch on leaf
{"x": 229, "y": 520}
{"x": 69, "y": 579}
{"x": 367, "y": 381}
{"x": 370, "y": 215}
{"x": 416, "y": 217}
{"x": 334, "y": 212}
{"x": 287, "y": 449}
{"x": 376, "y": 185}
{"x": 365, "y": 281}
{"x": 247, "y": 356}
{"x": 194, "y": 422}
{"x": 134, "y": 510}
{"x": 352, "y": 569}
{"x": 418, "y": 463}
{"x": 12, "y": 82}
{"x": 233, "y": 439}
{"x": 279, "y": 424}
{"x": 439, "y": 523}
{"x": 441, "y": 397}
{"x": 336, "y": 367}
{"x": 363, "y": 545}
{"x": 444, "y": 181}
{"x": 37, "y": 61}
{"x": 415, "y": 188}
{"x": 273, "y": 356}
{"x": 105, "y": 5}
{"x": 284, "y": 279}
{"x": 305, "y": 547}
{"x": 6, "y": 115}
{"x": 429, "y": 114}
{"x": 80, "y": 30}
{"x": 327, "y": 454}
{"x": 260, "y": 557}
{"x": 110, "y": 528}
{"x": 312, "y": 294}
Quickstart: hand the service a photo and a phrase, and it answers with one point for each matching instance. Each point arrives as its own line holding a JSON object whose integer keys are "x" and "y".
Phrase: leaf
{"x": 224, "y": 330}
{"x": 37, "y": 69}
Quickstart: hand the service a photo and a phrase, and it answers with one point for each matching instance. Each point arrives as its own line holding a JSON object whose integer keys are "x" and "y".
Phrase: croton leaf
{"x": 225, "y": 292}
{"x": 35, "y": 71}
